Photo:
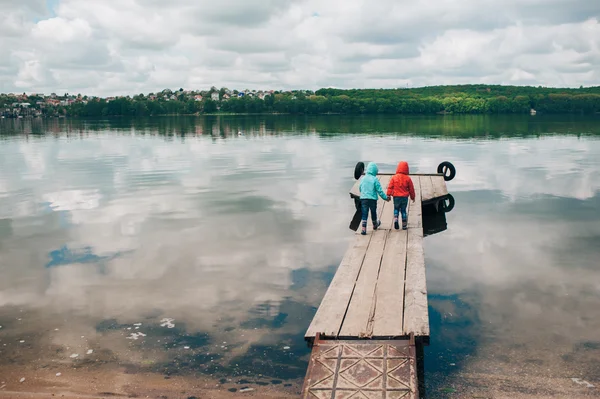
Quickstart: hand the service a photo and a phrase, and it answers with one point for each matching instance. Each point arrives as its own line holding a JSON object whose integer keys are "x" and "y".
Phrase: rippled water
{"x": 233, "y": 227}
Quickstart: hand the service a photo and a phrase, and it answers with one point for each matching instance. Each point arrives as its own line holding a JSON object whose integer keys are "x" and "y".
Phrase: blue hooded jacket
{"x": 370, "y": 186}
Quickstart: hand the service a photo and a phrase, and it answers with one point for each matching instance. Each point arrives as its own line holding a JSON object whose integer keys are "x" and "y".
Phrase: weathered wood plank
{"x": 415, "y": 219}
{"x": 416, "y": 316}
{"x": 389, "y": 310}
{"x": 387, "y": 213}
{"x": 362, "y": 303}
{"x": 439, "y": 186}
{"x": 426, "y": 187}
{"x": 331, "y": 312}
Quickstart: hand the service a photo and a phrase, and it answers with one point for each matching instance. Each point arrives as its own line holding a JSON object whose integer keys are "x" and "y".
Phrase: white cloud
{"x": 124, "y": 47}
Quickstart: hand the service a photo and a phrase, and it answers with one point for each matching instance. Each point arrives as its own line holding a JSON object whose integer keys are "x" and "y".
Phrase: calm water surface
{"x": 220, "y": 236}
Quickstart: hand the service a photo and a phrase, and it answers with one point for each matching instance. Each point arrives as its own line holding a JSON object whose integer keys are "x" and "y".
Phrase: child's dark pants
{"x": 400, "y": 204}
{"x": 369, "y": 204}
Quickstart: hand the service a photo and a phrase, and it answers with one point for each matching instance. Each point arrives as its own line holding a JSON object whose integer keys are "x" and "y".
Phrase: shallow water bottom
{"x": 107, "y": 382}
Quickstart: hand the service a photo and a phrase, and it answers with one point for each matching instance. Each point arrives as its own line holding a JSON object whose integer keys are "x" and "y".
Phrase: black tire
{"x": 448, "y": 203}
{"x": 359, "y": 169}
{"x": 444, "y": 167}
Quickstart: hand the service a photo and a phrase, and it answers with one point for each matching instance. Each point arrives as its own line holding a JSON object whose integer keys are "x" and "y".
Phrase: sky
{"x": 117, "y": 47}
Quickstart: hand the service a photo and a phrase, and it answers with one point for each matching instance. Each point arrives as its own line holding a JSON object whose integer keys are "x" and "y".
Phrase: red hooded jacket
{"x": 401, "y": 184}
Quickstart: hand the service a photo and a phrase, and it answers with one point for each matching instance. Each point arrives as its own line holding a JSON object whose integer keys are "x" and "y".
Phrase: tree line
{"x": 467, "y": 99}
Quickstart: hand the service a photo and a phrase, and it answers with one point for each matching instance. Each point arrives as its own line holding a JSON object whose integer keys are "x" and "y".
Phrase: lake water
{"x": 220, "y": 236}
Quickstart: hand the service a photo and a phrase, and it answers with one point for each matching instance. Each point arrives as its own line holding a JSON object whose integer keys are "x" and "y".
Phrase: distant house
{"x": 250, "y": 94}
{"x": 173, "y": 97}
{"x": 198, "y": 97}
{"x": 240, "y": 94}
{"x": 214, "y": 96}
{"x": 261, "y": 95}
{"x": 226, "y": 97}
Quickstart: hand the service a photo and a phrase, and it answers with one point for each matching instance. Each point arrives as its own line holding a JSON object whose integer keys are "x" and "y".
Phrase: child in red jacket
{"x": 401, "y": 187}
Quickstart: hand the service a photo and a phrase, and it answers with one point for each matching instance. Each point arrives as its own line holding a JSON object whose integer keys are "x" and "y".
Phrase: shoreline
{"x": 79, "y": 382}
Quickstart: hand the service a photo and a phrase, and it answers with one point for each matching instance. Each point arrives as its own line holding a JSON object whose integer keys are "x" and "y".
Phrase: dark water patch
{"x": 272, "y": 362}
{"x": 587, "y": 345}
{"x": 302, "y": 278}
{"x": 454, "y": 336}
{"x": 110, "y": 325}
{"x": 275, "y": 322}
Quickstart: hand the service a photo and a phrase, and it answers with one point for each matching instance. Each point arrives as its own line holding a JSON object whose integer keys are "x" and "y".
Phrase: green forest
{"x": 465, "y": 99}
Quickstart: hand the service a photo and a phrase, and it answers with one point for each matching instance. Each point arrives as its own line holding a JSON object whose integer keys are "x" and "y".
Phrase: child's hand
{"x": 388, "y": 199}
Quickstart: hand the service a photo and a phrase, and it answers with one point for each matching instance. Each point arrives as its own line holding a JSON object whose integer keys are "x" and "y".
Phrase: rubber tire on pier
{"x": 359, "y": 169}
{"x": 445, "y": 167}
{"x": 447, "y": 206}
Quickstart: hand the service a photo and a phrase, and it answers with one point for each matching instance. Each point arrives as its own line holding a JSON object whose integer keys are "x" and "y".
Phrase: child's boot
{"x": 404, "y": 224}
{"x": 396, "y": 226}
{"x": 376, "y": 224}
{"x": 364, "y": 228}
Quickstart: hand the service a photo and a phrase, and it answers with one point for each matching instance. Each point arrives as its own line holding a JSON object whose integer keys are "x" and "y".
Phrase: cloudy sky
{"x": 106, "y": 47}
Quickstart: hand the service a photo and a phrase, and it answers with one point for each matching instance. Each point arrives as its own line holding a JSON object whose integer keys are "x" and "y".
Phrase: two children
{"x": 400, "y": 187}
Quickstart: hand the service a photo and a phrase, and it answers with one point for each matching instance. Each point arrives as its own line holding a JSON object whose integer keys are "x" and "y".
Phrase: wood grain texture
{"x": 389, "y": 311}
{"x": 362, "y": 302}
{"x": 331, "y": 312}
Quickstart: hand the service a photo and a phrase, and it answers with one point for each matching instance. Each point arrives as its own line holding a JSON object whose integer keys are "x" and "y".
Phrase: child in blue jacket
{"x": 370, "y": 188}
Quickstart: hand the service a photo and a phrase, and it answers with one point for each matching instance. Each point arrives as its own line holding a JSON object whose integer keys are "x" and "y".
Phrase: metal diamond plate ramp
{"x": 362, "y": 369}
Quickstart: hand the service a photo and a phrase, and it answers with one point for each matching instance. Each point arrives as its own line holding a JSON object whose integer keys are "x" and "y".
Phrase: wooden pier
{"x": 375, "y": 309}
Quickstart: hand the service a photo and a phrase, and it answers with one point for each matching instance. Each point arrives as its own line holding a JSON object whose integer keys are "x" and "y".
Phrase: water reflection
{"x": 109, "y": 224}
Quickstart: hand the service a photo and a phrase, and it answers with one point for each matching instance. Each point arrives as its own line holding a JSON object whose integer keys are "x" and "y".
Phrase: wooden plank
{"x": 389, "y": 310}
{"x": 415, "y": 218}
{"x": 426, "y": 187}
{"x": 362, "y": 303}
{"x": 416, "y": 316}
{"x": 387, "y": 213}
{"x": 331, "y": 312}
{"x": 439, "y": 186}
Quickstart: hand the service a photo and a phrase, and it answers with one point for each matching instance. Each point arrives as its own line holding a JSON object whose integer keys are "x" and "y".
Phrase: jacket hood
{"x": 372, "y": 169}
{"x": 402, "y": 168}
